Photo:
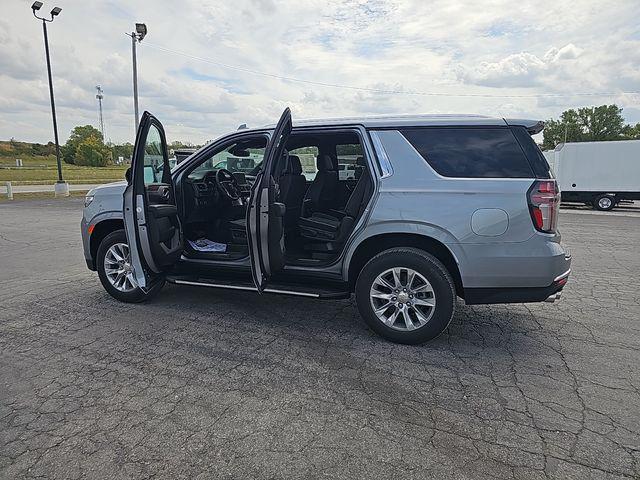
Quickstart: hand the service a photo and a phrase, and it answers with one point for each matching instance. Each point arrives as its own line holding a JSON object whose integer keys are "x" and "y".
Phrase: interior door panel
{"x": 150, "y": 214}
{"x": 265, "y": 217}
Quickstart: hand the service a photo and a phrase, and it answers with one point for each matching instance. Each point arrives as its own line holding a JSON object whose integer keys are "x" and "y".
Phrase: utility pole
{"x": 137, "y": 36}
{"x": 100, "y": 96}
{"x": 61, "y": 187}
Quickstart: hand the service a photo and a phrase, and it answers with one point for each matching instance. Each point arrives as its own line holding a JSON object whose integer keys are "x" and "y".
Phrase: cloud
{"x": 522, "y": 69}
{"x": 568, "y": 52}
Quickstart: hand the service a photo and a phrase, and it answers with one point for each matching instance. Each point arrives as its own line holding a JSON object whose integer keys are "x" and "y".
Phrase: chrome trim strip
{"x": 250, "y": 289}
{"x": 289, "y": 292}
{"x": 214, "y": 285}
{"x": 383, "y": 158}
{"x": 560, "y": 277}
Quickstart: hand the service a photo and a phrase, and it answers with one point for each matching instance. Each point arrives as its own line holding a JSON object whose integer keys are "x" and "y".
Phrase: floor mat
{"x": 206, "y": 245}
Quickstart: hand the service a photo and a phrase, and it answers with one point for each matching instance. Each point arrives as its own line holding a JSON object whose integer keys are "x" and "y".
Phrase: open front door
{"x": 150, "y": 214}
{"x": 265, "y": 216}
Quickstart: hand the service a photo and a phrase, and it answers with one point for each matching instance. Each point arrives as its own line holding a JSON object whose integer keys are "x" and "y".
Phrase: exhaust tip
{"x": 554, "y": 297}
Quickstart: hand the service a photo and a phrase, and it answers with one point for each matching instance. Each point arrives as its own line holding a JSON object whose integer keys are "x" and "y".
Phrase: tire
{"x": 133, "y": 293}
{"x": 604, "y": 202}
{"x": 425, "y": 322}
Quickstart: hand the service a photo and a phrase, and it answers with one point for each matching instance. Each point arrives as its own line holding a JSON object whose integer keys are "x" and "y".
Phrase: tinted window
{"x": 308, "y": 157}
{"x": 534, "y": 155}
{"x": 470, "y": 152}
{"x": 348, "y": 155}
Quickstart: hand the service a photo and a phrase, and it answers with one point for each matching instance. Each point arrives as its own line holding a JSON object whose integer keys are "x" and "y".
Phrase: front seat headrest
{"x": 325, "y": 163}
{"x": 294, "y": 167}
{"x": 360, "y": 167}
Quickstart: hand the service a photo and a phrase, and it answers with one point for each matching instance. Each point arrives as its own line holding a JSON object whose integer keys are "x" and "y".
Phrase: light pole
{"x": 137, "y": 36}
{"x": 61, "y": 187}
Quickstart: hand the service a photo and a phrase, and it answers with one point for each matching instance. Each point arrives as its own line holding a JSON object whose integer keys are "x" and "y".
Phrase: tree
{"x": 42, "y": 150}
{"x": 86, "y": 147}
{"x": 124, "y": 150}
{"x": 631, "y": 132}
{"x": 587, "y": 124}
{"x": 177, "y": 145}
{"x": 92, "y": 153}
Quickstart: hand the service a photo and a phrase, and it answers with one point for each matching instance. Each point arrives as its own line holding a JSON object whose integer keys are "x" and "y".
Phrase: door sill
{"x": 272, "y": 287}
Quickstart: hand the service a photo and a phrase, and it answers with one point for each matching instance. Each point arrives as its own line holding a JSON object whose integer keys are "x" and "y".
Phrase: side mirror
{"x": 127, "y": 175}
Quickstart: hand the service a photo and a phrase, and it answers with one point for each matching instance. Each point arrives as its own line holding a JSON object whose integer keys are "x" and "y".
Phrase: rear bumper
{"x": 551, "y": 293}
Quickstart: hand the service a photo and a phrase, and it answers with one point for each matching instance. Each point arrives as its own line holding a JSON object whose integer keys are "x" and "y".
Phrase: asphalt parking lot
{"x": 213, "y": 384}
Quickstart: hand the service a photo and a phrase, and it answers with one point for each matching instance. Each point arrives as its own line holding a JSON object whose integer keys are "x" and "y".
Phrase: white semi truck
{"x": 600, "y": 174}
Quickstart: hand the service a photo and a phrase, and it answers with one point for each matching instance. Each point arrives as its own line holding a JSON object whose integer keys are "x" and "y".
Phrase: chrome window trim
{"x": 386, "y": 168}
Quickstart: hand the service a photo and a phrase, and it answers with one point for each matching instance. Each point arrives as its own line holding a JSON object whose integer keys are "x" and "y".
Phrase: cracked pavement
{"x": 205, "y": 383}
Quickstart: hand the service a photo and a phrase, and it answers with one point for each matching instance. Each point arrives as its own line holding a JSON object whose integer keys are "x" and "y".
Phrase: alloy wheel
{"x": 118, "y": 268}
{"x": 402, "y": 299}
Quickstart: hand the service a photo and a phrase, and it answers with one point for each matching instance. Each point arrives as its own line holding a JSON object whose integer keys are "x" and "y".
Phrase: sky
{"x": 206, "y": 67}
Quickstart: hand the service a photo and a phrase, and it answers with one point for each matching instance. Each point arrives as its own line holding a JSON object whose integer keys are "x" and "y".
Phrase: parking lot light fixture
{"x": 137, "y": 36}
{"x": 141, "y": 30}
{"x": 61, "y": 187}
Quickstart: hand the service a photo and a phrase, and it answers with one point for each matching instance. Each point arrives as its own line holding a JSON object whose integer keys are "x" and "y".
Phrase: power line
{"x": 383, "y": 91}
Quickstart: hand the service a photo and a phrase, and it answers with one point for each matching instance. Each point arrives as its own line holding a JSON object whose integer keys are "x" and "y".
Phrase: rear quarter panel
{"x": 415, "y": 199}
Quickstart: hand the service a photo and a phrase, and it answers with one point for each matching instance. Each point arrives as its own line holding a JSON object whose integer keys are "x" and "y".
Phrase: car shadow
{"x": 496, "y": 330}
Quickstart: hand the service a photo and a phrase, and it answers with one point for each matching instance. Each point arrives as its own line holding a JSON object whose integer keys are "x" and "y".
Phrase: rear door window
{"x": 348, "y": 155}
{"x": 484, "y": 152}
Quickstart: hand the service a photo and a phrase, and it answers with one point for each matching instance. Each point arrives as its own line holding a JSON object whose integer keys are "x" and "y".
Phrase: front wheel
{"x": 406, "y": 295}
{"x": 113, "y": 262}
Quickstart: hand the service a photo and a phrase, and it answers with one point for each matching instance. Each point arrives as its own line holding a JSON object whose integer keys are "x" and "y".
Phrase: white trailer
{"x": 550, "y": 155}
{"x": 600, "y": 174}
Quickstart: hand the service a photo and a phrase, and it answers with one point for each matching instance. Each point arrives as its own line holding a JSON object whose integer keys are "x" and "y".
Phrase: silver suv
{"x": 438, "y": 207}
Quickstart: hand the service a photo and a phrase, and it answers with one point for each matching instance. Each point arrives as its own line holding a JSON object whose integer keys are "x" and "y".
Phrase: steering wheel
{"x": 227, "y": 184}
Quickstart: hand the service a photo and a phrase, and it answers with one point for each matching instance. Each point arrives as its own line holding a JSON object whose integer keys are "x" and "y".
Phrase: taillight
{"x": 544, "y": 202}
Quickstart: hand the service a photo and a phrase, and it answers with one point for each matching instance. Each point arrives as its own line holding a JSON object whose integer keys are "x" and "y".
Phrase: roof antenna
{"x": 243, "y": 127}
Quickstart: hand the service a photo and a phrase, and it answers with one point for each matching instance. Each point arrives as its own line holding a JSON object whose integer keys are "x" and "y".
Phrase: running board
{"x": 276, "y": 289}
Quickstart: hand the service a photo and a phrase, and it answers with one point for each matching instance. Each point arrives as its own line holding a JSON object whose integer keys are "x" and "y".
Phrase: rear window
{"x": 534, "y": 155}
{"x": 470, "y": 152}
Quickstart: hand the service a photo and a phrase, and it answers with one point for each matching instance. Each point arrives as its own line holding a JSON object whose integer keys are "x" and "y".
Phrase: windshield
{"x": 242, "y": 157}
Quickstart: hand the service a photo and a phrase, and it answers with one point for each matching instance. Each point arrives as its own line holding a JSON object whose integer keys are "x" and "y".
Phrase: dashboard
{"x": 204, "y": 201}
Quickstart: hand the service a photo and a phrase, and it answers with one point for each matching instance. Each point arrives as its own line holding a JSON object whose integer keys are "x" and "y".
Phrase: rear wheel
{"x": 604, "y": 202}
{"x": 113, "y": 262}
{"x": 406, "y": 295}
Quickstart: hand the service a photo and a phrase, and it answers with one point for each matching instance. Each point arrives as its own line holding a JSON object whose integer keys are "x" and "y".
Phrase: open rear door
{"x": 265, "y": 216}
{"x": 149, "y": 208}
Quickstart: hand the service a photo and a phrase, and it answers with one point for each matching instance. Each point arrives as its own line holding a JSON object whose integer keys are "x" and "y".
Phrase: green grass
{"x": 39, "y": 196}
{"x": 42, "y": 170}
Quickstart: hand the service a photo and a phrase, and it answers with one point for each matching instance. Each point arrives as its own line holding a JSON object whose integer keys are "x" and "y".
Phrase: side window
{"x": 153, "y": 156}
{"x": 470, "y": 152}
{"x": 536, "y": 159}
{"x": 308, "y": 157}
{"x": 348, "y": 155}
